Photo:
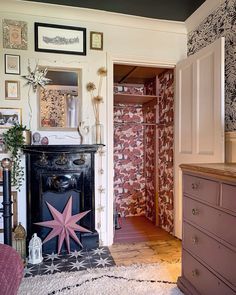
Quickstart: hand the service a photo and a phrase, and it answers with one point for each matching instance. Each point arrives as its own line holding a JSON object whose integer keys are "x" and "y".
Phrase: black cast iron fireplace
{"x": 54, "y": 173}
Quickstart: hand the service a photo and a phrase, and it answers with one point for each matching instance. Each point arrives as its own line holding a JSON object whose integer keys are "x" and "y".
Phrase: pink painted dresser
{"x": 209, "y": 230}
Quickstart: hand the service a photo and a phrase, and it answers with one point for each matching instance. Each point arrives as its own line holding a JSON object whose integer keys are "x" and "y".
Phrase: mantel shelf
{"x": 133, "y": 98}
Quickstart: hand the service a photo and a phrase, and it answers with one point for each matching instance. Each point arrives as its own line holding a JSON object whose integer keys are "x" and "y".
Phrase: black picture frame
{"x": 60, "y": 39}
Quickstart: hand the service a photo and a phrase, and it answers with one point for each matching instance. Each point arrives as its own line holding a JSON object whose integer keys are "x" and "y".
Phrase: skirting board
{"x": 230, "y": 147}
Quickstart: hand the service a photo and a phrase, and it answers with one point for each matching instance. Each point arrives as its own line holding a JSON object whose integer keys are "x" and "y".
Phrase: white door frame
{"x": 111, "y": 60}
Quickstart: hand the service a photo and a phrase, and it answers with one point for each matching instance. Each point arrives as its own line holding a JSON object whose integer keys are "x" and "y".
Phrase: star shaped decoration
{"x": 52, "y": 268}
{"x": 99, "y": 251}
{"x": 64, "y": 225}
{"x": 28, "y": 271}
{"x": 78, "y": 265}
{"x": 37, "y": 77}
{"x": 52, "y": 256}
{"x": 76, "y": 254}
{"x": 103, "y": 261}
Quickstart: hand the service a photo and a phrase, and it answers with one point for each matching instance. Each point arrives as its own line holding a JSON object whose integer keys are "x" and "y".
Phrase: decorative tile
{"x": 75, "y": 261}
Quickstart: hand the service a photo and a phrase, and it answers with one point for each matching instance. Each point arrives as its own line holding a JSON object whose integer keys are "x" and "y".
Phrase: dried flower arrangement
{"x": 97, "y": 99}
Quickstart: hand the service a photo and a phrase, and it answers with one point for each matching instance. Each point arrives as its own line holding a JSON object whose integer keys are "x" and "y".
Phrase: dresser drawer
{"x": 228, "y": 197}
{"x": 202, "y": 279}
{"x": 208, "y": 249}
{"x": 213, "y": 220}
{"x": 201, "y": 188}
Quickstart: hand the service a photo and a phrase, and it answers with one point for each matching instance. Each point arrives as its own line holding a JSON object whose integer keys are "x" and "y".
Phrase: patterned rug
{"x": 135, "y": 279}
{"x": 76, "y": 260}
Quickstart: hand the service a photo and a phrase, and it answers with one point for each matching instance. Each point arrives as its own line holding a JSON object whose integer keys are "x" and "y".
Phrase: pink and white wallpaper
{"x": 150, "y": 161}
{"x": 143, "y": 157}
{"x": 165, "y": 150}
{"x": 129, "y": 179}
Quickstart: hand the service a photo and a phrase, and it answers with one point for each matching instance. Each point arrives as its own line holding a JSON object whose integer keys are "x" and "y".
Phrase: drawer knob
{"x": 195, "y": 186}
{"x": 195, "y": 273}
{"x": 194, "y": 240}
{"x": 195, "y": 211}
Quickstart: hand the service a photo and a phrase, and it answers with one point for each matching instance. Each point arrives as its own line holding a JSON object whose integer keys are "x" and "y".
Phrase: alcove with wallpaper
{"x": 143, "y": 152}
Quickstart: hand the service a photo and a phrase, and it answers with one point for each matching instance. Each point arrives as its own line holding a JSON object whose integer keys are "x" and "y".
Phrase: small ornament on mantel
{"x": 19, "y": 240}
{"x": 83, "y": 131}
{"x": 35, "y": 250}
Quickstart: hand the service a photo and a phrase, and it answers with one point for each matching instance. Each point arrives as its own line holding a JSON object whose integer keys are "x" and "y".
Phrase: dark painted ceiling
{"x": 176, "y": 10}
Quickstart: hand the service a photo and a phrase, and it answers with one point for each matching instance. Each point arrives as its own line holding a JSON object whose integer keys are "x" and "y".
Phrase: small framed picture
{"x": 9, "y": 117}
{"x": 96, "y": 40}
{"x": 12, "y": 64}
{"x": 12, "y": 90}
{"x": 15, "y": 34}
{"x": 2, "y": 147}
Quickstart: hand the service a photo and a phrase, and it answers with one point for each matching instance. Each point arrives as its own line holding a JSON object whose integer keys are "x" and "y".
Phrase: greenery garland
{"x": 14, "y": 140}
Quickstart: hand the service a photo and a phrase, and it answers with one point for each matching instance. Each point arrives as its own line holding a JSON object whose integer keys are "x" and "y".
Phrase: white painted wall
{"x": 126, "y": 38}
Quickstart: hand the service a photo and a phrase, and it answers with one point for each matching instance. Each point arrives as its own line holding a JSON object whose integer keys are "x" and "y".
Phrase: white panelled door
{"x": 199, "y": 115}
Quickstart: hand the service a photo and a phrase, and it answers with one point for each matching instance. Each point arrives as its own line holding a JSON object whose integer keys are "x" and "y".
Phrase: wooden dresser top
{"x": 221, "y": 170}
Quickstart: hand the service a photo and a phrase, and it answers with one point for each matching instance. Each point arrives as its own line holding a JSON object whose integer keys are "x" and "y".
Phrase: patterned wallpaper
{"x": 129, "y": 180}
{"x": 222, "y": 22}
{"x": 52, "y": 107}
{"x": 149, "y": 161}
{"x": 165, "y": 150}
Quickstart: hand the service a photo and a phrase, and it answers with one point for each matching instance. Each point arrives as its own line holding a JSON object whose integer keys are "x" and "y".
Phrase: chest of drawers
{"x": 209, "y": 230}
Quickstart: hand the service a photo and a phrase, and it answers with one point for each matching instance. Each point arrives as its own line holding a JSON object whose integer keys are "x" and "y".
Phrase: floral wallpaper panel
{"x": 221, "y": 23}
{"x": 129, "y": 179}
{"x": 165, "y": 151}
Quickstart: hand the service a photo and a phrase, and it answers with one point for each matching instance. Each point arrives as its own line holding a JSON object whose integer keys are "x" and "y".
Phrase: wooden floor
{"x": 139, "y": 241}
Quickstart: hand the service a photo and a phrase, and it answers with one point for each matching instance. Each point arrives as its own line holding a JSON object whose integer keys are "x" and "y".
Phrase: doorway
{"x": 143, "y": 152}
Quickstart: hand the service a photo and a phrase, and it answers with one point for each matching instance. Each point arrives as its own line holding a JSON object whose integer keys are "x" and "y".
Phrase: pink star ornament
{"x": 64, "y": 225}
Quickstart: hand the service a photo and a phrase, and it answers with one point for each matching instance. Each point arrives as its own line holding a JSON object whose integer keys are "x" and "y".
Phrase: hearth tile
{"x": 75, "y": 261}
{"x": 31, "y": 270}
{"x": 102, "y": 262}
{"x": 78, "y": 264}
{"x": 100, "y": 251}
{"x": 51, "y": 257}
{"x": 77, "y": 254}
{"x": 51, "y": 267}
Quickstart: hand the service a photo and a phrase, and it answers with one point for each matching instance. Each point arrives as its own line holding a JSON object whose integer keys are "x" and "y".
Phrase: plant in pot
{"x": 14, "y": 139}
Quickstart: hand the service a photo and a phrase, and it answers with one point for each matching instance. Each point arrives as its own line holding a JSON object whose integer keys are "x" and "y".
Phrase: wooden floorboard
{"x": 139, "y": 241}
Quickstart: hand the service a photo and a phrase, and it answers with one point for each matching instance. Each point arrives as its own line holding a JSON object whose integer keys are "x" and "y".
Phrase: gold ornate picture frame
{"x": 15, "y": 34}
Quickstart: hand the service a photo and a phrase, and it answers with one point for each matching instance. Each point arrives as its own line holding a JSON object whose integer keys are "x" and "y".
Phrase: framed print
{"x": 14, "y": 210}
{"x": 9, "y": 117}
{"x": 15, "y": 34}
{"x": 12, "y": 90}
{"x": 60, "y": 39}
{"x": 96, "y": 40}
{"x": 12, "y": 64}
